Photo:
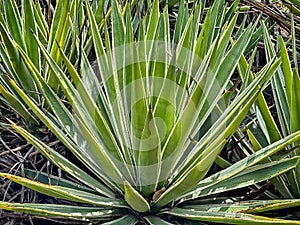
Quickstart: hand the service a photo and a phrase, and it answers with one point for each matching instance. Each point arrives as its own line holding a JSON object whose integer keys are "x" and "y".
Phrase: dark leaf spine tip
{"x": 7, "y": 76}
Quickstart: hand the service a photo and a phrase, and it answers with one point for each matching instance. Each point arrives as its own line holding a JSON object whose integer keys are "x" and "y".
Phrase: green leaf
{"x": 134, "y": 199}
{"x": 153, "y": 21}
{"x": 252, "y": 206}
{"x": 226, "y": 217}
{"x": 15, "y": 63}
{"x": 287, "y": 71}
{"x": 30, "y": 28}
{"x": 99, "y": 12}
{"x": 294, "y": 40}
{"x": 129, "y": 220}
{"x": 63, "y": 163}
{"x": 58, "y": 34}
{"x": 118, "y": 26}
{"x": 149, "y": 157}
{"x": 13, "y": 20}
{"x": 40, "y": 20}
{"x": 268, "y": 205}
{"x": 46, "y": 178}
{"x": 66, "y": 193}
{"x": 267, "y": 119}
{"x": 66, "y": 211}
{"x": 295, "y": 103}
{"x": 180, "y": 23}
{"x": 252, "y": 175}
{"x": 18, "y": 106}
{"x": 243, "y": 164}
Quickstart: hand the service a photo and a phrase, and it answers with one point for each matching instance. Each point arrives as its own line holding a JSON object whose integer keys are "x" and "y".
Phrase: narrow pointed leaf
{"x": 66, "y": 211}
{"x": 63, "y": 163}
{"x": 252, "y": 175}
{"x": 243, "y": 164}
{"x": 65, "y": 193}
{"x": 134, "y": 199}
{"x": 227, "y": 218}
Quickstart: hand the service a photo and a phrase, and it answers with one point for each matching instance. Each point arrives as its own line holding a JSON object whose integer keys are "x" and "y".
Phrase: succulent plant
{"x": 142, "y": 106}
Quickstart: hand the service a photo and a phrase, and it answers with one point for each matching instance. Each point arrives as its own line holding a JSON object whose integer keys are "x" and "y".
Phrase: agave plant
{"x": 285, "y": 91}
{"x": 147, "y": 122}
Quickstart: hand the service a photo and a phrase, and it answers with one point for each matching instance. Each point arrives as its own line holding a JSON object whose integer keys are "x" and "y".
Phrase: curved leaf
{"x": 66, "y": 211}
{"x": 134, "y": 199}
